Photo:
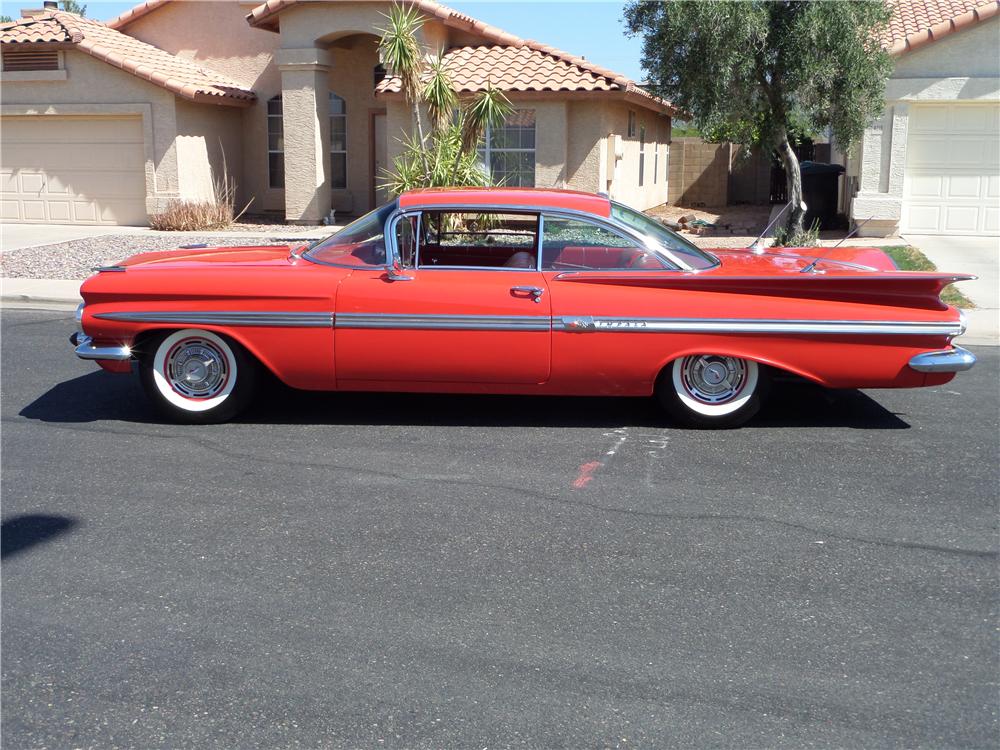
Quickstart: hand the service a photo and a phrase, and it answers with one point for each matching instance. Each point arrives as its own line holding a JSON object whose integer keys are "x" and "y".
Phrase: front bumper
{"x": 85, "y": 349}
{"x": 955, "y": 359}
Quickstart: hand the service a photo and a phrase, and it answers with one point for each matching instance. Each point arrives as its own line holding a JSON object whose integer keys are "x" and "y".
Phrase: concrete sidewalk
{"x": 21, "y": 236}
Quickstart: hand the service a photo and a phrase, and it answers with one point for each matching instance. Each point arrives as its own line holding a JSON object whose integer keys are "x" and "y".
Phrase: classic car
{"x": 516, "y": 291}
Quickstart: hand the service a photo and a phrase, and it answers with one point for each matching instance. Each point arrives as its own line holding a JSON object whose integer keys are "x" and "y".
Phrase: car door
{"x": 596, "y": 321}
{"x": 457, "y": 311}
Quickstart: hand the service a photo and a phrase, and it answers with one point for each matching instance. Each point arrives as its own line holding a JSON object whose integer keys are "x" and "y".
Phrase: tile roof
{"x": 914, "y": 23}
{"x": 550, "y": 69}
{"x": 512, "y": 69}
{"x": 183, "y": 77}
{"x": 135, "y": 13}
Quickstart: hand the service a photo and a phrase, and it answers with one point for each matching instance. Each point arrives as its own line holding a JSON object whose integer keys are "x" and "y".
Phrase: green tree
{"x": 765, "y": 73}
{"x": 72, "y": 6}
{"x": 6, "y": 19}
{"x": 446, "y": 156}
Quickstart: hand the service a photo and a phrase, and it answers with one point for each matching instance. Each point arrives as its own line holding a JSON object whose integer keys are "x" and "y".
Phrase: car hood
{"x": 193, "y": 257}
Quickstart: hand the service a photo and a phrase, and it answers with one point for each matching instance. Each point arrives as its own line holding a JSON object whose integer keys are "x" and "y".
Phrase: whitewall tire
{"x": 197, "y": 376}
{"x": 711, "y": 390}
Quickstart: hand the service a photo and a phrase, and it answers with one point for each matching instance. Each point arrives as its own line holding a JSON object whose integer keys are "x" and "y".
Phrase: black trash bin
{"x": 819, "y": 191}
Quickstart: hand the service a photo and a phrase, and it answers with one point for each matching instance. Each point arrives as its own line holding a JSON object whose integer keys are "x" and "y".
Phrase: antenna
{"x": 848, "y": 236}
{"x": 756, "y": 246}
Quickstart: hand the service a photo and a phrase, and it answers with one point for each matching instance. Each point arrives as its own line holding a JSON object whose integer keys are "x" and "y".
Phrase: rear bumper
{"x": 955, "y": 359}
{"x": 85, "y": 349}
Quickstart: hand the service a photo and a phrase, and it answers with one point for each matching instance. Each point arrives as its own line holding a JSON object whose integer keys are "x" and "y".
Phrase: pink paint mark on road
{"x": 586, "y": 475}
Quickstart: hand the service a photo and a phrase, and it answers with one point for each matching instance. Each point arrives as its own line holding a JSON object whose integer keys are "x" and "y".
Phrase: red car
{"x": 516, "y": 291}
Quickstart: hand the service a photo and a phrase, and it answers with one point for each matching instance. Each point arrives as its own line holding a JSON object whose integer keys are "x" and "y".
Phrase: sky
{"x": 590, "y": 29}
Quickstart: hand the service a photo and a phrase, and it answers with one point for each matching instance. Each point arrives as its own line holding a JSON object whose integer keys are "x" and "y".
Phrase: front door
{"x": 473, "y": 308}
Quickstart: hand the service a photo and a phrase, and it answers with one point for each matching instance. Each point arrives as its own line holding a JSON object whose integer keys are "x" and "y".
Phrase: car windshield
{"x": 673, "y": 242}
{"x": 360, "y": 243}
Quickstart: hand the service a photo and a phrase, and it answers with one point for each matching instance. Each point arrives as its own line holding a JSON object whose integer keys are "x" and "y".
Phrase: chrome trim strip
{"x": 567, "y": 323}
{"x": 588, "y": 324}
{"x": 226, "y": 318}
{"x": 86, "y": 350}
{"x": 445, "y": 322}
{"x": 78, "y": 315}
{"x": 955, "y": 359}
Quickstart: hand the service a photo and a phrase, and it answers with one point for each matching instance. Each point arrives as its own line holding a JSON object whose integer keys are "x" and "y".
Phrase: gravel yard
{"x": 74, "y": 260}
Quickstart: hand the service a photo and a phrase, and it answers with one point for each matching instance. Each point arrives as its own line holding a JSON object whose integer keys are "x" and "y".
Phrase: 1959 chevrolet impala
{"x": 516, "y": 291}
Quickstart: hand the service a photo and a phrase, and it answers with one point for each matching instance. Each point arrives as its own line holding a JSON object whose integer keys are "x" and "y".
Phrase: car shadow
{"x": 21, "y": 533}
{"x": 101, "y": 396}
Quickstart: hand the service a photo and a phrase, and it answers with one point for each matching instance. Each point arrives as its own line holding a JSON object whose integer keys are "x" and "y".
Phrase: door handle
{"x": 532, "y": 291}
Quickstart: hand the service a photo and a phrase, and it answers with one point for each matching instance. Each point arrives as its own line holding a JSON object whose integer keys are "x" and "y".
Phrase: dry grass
{"x": 196, "y": 216}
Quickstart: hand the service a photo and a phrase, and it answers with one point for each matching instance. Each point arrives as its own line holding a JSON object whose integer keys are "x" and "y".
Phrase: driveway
{"x": 407, "y": 571}
{"x": 975, "y": 255}
{"x": 19, "y": 236}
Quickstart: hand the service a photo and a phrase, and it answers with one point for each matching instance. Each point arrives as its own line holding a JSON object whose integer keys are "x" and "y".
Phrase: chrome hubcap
{"x": 197, "y": 369}
{"x": 712, "y": 379}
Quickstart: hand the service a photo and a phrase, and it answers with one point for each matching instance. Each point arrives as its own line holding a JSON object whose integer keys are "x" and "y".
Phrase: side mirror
{"x": 396, "y": 272}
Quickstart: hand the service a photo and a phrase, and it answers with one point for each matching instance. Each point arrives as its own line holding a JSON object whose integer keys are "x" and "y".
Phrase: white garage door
{"x": 72, "y": 170}
{"x": 952, "y": 179}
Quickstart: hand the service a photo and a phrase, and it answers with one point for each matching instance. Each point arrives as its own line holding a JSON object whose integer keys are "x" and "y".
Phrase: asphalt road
{"x": 482, "y": 572}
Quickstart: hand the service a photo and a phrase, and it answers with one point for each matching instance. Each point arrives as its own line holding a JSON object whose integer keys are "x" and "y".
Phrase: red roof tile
{"x": 183, "y": 77}
{"x": 914, "y": 23}
{"x": 512, "y": 69}
{"x": 550, "y": 69}
{"x": 135, "y": 13}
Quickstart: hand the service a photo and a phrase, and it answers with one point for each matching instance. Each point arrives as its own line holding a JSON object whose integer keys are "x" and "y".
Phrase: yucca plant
{"x": 447, "y": 157}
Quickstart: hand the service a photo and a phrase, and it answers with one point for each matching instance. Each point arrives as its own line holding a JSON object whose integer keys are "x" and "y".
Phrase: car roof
{"x": 538, "y": 198}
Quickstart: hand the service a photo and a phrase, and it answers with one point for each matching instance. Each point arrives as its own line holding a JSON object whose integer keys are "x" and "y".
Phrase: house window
{"x": 631, "y": 124}
{"x": 508, "y": 152}
{"x": 30, "y": 60}
{"x": 642, "y": 153}
{"x": 338, "y": 142}
{"x": 378, "y": 74}
{"x": 275, "y": 144}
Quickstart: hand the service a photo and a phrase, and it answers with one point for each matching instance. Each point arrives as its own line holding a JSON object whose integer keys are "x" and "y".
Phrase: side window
{"x": 465, "y": 239}
{"x": 577, "y": 245}
{"x": 406, "y": 239}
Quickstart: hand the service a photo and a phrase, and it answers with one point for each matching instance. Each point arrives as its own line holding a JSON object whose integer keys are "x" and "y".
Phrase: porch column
{"x": 305, "y": 115}
{"x": 879, "y": 202}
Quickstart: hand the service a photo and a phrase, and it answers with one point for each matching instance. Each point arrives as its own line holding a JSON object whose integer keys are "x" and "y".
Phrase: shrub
{"x": 192, "y": 216}
{"x": 805, "y": 238}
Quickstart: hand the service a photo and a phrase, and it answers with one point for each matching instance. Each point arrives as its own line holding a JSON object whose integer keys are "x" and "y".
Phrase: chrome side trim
{"x": 588, "y": 324}
{"x": 78, "y": 316}
{"x": 106, "y": 269}
{"x": 445, "y": 322}
{"x": 226, "y": 318}
{"x": 955, "y": 359}
{"x": 85, "y": 349}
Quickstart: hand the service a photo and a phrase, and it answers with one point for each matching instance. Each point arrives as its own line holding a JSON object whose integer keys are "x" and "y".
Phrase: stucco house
{"x": 931, "y": 164}
{"x": 106, "y": 122}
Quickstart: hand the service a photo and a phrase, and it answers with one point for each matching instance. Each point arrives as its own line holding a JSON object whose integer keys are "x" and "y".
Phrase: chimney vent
{"x": 50, "y": 5}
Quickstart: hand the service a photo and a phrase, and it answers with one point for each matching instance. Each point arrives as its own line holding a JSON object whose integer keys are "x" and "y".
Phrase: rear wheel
{"x": 712, "y": 391}
{"x": 197, "y": 376}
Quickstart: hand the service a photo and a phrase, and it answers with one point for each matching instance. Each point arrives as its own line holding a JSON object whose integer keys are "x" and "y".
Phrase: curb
{"x": 52, "y": 293}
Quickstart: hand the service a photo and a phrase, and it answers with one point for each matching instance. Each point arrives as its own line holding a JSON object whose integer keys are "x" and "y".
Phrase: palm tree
{"x": 402, "y": 55}
{"x": 448, "y": 157}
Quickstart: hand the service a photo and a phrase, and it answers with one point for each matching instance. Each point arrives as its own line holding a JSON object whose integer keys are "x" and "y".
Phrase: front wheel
{"x": 197, "y": 376}
{"x": 712, "y": 391}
